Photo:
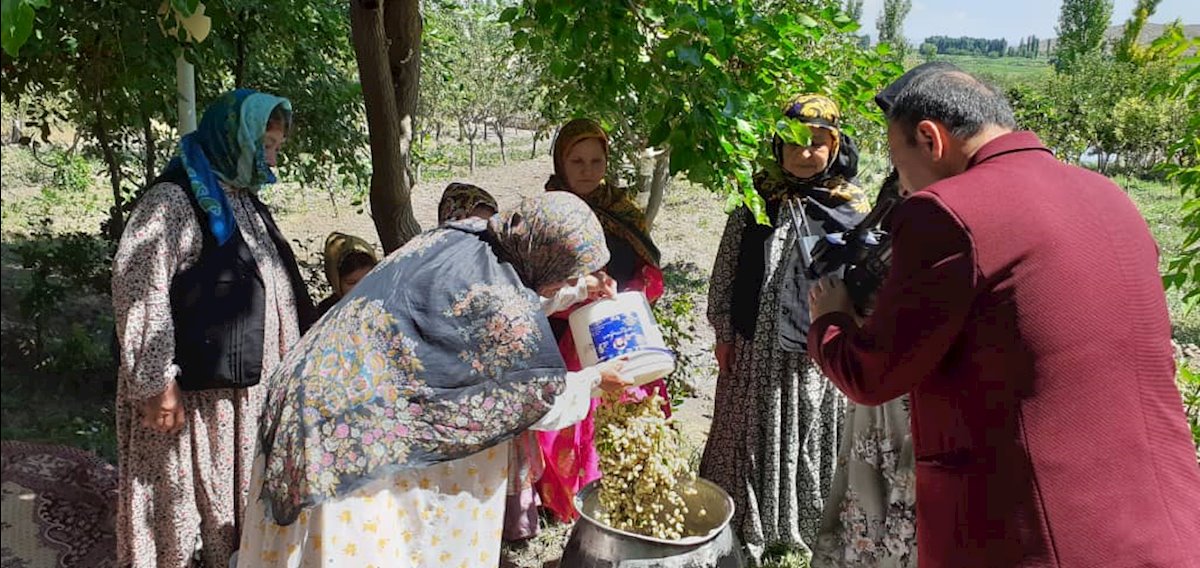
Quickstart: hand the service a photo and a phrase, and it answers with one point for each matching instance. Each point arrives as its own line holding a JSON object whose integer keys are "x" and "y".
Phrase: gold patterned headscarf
{"x": 816, "y": 111}
{"x": 338, "y": 246}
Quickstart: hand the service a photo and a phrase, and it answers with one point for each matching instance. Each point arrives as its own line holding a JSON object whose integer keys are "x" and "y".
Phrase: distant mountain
{"x": 1150, "y": 32}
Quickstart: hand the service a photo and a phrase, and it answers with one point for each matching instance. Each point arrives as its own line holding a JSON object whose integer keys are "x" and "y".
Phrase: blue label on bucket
{"x": 617, "y": 335}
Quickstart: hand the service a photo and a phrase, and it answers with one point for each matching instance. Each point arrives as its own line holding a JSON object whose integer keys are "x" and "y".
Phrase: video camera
{"x": 862, "y": 255}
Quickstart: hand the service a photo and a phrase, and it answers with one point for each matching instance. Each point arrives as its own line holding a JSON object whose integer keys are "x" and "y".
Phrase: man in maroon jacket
{"x": 1025, "y": 315}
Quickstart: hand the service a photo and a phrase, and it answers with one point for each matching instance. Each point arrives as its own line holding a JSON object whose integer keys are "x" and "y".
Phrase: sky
{"x": 1010, "y": 19}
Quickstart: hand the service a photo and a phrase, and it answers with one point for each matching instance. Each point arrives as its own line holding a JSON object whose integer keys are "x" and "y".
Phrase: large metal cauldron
{"x": 596, "y": 545}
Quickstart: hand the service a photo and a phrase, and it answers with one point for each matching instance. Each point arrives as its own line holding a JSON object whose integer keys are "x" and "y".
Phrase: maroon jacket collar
{"x": 1007, "y": 143}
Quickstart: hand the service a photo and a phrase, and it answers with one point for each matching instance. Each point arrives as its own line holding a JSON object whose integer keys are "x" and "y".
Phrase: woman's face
{"x": 584, "y": 166}
{"x": 349, "y": 281}
{"x": 807, "y": 161}
{"x": 272, "y": 140}
{"x": 483, "y": 212}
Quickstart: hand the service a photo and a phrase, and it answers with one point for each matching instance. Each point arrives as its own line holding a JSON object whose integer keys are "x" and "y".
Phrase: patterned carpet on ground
{"x": 59, "y": 506}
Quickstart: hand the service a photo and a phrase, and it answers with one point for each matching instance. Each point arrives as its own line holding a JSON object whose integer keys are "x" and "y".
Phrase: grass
{"x": 57, "y": 410}
{"x": 1003, "y": 70}
{"x": 1160, "y": 204}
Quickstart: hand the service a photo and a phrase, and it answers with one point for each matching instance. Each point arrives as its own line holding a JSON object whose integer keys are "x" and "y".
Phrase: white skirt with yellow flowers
{"x": 447, "y": 515}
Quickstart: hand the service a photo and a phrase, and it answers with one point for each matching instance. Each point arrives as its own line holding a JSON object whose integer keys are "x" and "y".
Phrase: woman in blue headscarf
{"x": 207, "y": 299}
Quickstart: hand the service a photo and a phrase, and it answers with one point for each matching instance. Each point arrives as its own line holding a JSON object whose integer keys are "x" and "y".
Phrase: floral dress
{"x": 870, "y": 517}
{"x": 776, "y": 422}
{"x": 183, "y": 493}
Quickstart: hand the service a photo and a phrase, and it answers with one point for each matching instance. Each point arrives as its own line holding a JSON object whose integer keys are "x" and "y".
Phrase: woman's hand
{"x": 726, "y": 355}
{"x": 164, "y": 413}
{"x": 611, "y": 377}
{"x": 600, "y": 285}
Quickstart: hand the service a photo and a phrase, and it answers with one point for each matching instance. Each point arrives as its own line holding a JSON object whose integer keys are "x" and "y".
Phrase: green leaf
{"x": 793, "y": 132}
{"x": 689, "y": 55}
{"x": 661, "y": 132}
{"x": 185, "y": 8}
{"x": 806, "y": 20}
{"x": 17, "y": 24}
{"x": 716, "y": 30}
{"x": 508, "y": 15}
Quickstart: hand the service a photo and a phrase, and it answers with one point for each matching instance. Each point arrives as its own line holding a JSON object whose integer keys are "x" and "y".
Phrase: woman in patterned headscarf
{"x": 207, "y": 298}
{"x": 348, "y": 259}
{"x": 386, "y": 431}
{"x": 580, "y": 162}
{"x": 462, "y": 200}
{"x": 776, "y": 419}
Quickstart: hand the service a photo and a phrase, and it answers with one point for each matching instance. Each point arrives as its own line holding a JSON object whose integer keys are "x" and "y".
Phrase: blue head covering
{"x": 227, "y": 146}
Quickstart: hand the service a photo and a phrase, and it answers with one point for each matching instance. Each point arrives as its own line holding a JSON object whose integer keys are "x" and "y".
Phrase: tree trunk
{"x": 485, "y": 131}
{"x": 149, "y": 143}
{"x": 471, "y": 138}
{"x": 116, "y": 218}
{"x": 389, "y": 121}
{"x": 239, "y": 67}
{"x": 403, "y": 24}
{"x": 500, "y": 137}
{"x": 462, "y": 129}
{"x": 658, "y": 185}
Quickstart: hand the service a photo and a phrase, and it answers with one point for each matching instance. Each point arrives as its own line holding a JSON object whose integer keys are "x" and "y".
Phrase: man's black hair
{"x": 964, "y": 104}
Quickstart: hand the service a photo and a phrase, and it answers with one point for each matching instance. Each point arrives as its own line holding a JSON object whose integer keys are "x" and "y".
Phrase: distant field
{"x": 1004, "y": 70}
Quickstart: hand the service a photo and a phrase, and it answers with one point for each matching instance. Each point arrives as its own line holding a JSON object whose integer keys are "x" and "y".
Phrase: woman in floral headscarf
{"x": 580, "y": 162}
{"x": 386, "y": 431}
{"x": 207, "y": 298}
{"x": 776, "y": 420}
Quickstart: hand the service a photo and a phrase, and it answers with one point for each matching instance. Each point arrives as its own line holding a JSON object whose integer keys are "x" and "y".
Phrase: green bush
{"x": 64, "y": 271}
{"x": 1189, "y": 386}
{"x": 676, "y": 316}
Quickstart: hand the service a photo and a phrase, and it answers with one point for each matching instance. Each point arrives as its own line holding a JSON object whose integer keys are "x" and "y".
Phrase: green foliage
{"x": 1183, "y": 270}
{"x": 108, "y": 70}
{"x": 17, "y": 17}
{"x": 703, "y": 80}
{"x": 70, "y": 410}
{"x": 1102, "y": 104}
{"x": 472, "y": 75}
{"x": 1127, "y": 48}
{"x": 854, "y": 9}
{"x": 1081, "y": 26}
{"x": 890, "y": 25}
{"x": 675, "y": 313}
{"x": 62, "y": 268}
{"x": 1189, "y": 387}
{"x": 968, "y": 45}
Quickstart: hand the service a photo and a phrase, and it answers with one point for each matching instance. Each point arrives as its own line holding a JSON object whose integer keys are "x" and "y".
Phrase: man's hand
{"x": 829, "y": 295}
{"x": 164, "y": 413}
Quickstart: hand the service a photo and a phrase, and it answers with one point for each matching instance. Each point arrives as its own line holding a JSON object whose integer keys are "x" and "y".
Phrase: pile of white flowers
{"x": 645, "y": 475}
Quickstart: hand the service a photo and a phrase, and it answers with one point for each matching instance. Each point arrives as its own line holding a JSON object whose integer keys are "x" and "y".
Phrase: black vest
{"x": 218, "y": 304}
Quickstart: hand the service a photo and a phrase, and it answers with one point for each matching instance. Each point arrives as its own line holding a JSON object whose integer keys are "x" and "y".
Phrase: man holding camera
{"x": 1025, "y": 315}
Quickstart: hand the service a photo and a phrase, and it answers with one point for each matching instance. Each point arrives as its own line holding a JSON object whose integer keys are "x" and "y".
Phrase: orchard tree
{"x": 1081, "y": 26}
{"x": 890, "y": 25}
{"x": 107, "y": 69}
{"x": 696, "y": 84}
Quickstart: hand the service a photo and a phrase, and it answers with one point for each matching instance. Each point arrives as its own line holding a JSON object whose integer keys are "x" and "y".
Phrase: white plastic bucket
{"x": 622, "y": 327}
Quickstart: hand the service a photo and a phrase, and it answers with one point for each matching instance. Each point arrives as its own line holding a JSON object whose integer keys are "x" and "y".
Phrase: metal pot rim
{"x": 583, "y": 493}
